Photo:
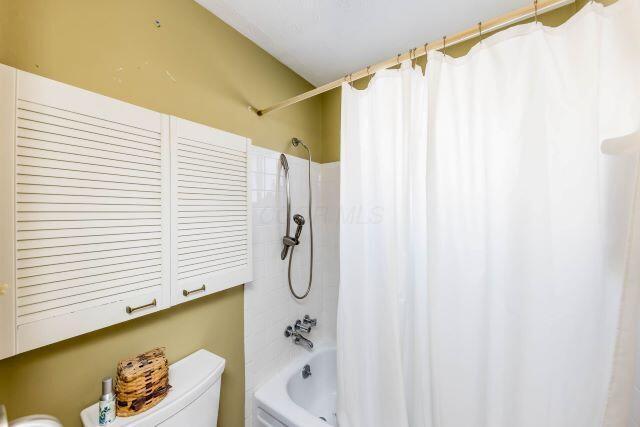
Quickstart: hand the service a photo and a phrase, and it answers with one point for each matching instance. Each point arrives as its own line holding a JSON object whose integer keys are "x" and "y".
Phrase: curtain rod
{"x": 539, "y": 7}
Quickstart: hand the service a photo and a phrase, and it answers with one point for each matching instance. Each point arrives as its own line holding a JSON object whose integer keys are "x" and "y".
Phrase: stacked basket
{"x": 142, "y": 382}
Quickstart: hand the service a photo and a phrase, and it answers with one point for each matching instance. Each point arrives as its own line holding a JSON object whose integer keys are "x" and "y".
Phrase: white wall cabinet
{"x": 109, "y": 211}
{"x": 211, "y": 214}
{"x": 7, "y": 212}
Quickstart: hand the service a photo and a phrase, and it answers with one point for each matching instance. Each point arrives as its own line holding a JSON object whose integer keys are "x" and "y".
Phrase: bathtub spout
{"x": 300, "y": 340}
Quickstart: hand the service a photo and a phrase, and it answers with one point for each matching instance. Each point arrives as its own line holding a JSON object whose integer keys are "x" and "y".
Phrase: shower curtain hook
{"x": 535, "y": 9}
{"x": 426, "y": 45}
{"x": 351, "y": 81}
{"x": 346, "y": 79}
{"x": 480, "y": 29}
{"x": 398, "y": 59}
{"x": 444, "y": 45}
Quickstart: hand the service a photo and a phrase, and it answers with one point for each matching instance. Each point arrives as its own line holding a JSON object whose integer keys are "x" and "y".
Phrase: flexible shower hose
{"x": 311, "y": 239}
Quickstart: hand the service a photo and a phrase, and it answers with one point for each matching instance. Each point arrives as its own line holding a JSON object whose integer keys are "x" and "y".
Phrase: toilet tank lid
{"x": 188, "y": 378}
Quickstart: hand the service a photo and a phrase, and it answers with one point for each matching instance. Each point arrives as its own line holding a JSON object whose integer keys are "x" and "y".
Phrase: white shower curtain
{"x": 382, "y": 342}
{"x": 488, "y": 267}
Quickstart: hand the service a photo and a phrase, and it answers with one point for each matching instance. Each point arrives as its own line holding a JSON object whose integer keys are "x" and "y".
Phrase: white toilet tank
{"x": 192, "y": 400}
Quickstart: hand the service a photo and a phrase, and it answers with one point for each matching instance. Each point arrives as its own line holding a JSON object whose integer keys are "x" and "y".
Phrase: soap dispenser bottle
{"x": 107, "y": 403}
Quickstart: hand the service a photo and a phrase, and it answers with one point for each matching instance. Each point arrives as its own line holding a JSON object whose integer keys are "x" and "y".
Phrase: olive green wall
{"x": 331, "y": 125}
{"x": 64, "y": 378}
{"x": 193, "y": 66}
{"x": 331, "y": 99}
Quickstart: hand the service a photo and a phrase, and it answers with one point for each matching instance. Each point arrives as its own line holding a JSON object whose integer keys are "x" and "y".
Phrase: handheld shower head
{"x": 298, "y": 219}
{"x": 284, "y": 162}
{"x": 289, "y": 243}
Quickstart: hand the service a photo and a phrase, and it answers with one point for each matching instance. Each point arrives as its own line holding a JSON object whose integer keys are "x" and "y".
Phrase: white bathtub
{"x": 288, "y": 400}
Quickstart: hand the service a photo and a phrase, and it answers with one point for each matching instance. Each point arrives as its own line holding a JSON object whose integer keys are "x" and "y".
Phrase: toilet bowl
{"x": 192, "y": 400}
{"x": 29, "y": 421}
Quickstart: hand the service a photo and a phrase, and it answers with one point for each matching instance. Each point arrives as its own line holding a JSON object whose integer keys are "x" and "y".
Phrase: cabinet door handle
{"x": 186, "y": 293}
{"x": 132, "y": 309}
{"x": 3, "y": 288}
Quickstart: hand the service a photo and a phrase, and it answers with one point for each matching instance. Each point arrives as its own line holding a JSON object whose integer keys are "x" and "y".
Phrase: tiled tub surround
{"x": 268, "y": 305}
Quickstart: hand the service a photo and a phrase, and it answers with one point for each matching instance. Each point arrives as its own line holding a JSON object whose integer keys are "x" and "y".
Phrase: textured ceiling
{"x": 323, "y": 40}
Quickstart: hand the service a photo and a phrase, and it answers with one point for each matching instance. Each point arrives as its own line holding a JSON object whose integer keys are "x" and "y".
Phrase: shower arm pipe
{"x": 534, "y": 10}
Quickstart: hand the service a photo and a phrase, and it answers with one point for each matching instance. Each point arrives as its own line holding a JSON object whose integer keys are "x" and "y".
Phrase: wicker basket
{"x": 142, "y": 382}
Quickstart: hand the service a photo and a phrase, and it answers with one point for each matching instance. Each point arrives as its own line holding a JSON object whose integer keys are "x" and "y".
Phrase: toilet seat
{"x": 36, "y": 421}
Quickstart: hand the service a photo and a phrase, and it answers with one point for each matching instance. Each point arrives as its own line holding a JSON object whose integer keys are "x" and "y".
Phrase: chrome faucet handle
{"x": 295, "y": 333}
{"x": 302, "y": 327}
{"x": 307, "y": 320}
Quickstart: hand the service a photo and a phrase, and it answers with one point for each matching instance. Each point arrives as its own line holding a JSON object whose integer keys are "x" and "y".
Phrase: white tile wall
{"x": 268, "y": 304}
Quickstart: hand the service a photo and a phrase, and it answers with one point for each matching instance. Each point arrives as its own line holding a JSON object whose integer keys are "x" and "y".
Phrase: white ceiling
{"x": 322, "y": 40}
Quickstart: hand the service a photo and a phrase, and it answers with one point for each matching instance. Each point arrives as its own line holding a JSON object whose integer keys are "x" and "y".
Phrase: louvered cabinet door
{"x": 7, "y": 211}
{"x": 92, "y": 189}
{"x": 210, "y": 212}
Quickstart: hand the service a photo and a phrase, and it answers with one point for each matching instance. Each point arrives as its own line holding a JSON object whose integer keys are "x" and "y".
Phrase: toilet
{"x": 192, "y": 400}
{"x": 35, "y": 421}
